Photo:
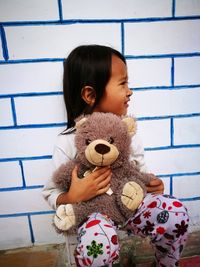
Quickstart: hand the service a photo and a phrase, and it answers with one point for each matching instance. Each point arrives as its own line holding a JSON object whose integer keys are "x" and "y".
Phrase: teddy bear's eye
{"x": 87, "y": 141}
{"x": 111, "y": 140}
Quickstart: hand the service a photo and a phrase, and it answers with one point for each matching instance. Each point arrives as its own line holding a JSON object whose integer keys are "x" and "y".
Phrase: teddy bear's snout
{"x": 102, "y": 149}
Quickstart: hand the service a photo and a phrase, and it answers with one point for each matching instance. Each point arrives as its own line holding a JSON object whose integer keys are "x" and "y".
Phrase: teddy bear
{"x": 102, "y": 139}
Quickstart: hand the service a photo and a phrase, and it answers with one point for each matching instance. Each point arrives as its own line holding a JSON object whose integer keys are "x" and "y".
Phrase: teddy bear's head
{"x": 104, "y": 139}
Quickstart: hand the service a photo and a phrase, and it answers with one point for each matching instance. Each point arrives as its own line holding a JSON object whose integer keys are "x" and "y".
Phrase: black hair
{"x": 86, "y": 65}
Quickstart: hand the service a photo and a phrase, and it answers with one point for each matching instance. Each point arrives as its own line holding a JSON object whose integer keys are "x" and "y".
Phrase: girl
{"x": 96, "y": 80}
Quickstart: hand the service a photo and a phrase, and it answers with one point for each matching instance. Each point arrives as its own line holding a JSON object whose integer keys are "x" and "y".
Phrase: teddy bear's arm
{"x": 62, "y": 176}
{"x": 142, "y": 177}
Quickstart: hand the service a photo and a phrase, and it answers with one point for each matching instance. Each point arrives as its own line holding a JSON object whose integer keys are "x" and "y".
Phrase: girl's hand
{"x": 96, "y": 183}
{"x": 155, "y": 185}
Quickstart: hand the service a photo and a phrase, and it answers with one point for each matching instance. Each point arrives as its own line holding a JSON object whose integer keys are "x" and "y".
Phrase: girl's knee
{"x": 98, "y": 242}
{"x": 173, "y": 216}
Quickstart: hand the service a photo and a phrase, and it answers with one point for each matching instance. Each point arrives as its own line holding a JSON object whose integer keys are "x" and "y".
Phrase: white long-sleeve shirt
{"x": 65, "y": 150}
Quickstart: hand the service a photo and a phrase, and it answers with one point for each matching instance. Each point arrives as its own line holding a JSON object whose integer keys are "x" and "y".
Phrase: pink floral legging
{"x": 162, "y": 218}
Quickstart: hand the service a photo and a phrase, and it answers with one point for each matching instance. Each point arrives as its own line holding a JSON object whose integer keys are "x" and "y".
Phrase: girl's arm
{"x": 86, "y": 188}
{"x": 137, "y": 153}
{"x": 80, "y": 189}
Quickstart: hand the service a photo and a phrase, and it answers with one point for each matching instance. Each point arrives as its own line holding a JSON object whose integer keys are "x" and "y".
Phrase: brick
{"x": 109, "y": 9}
{"x": 187, "y": 130}
{"x": 168, "y": 102}
{"x": 44, "y": 231}
{"x": 30, "y": 110}
{"x": 14, "y": 232}
{"x": 6, "y": 118}
{"x": 31, "y": 77}
{"x": 11, "y": 175}
{"x": 28, "y": 10}
{"x": 186, "y": 186}
{"x": 37, "y": 171}
{"x": 187, "y": 8}
{"x": 166, "y": 182}
{"x": 194, "y": 216}
{"x": 28, "y": 200}
{"x": 187, "y": 71}
{"x": 28, "y": 142}
{"x": 170, "y": 161}
{"x": 155, "y": 133}
{"x": 149, "y": 72}
{"x": 162, "y": 37}
{"x": 56, "y": 41}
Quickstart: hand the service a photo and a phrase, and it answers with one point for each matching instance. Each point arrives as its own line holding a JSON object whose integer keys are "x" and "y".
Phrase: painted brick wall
{"x": 161, "y": 42}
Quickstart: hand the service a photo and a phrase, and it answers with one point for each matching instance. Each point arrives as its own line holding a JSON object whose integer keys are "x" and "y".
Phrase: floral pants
{"x": 162, "y": 218}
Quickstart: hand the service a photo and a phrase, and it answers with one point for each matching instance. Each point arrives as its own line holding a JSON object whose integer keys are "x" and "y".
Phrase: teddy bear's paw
{"x": 65, "y": 217}
{"x": 132, "y": 195}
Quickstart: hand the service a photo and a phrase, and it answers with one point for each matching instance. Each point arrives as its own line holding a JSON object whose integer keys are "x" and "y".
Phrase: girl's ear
{"x": 88, "y": 95}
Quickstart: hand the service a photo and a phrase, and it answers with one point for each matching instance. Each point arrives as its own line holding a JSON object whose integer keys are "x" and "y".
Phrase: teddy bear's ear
{"x": 131, "y": 124}
{"x": 80, "y": 123}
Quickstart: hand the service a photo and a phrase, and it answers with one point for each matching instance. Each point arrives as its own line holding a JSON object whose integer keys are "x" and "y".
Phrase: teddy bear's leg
{"x": 132, "y": 195}
{"x": 65, "y": 217}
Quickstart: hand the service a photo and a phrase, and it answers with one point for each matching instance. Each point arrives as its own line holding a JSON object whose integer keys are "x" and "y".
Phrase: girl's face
{"x": 117, "y": 94}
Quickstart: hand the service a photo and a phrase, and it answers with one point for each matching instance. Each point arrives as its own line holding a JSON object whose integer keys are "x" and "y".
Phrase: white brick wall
{"x": 28, "y": 10}
{"x": 186, "y": 130}
{"x": 30, "y": 142}
{"x": 168, "y": 102}
{"x": 187, "y": 7}
{"x": 15, "y": 229}
{"x": 187, "y": 71}
{"x": 42, "y": 228}
{"x": 50, "y": 41}
{"x": 161, "y": 41}
{"x": 32, "y": 77}
{"x": 174, "y": 161}
{"x": 12, "y": 176}
{"x": 35, "y": 106}
{"x": 174, "y": 37}
{"x": 6, "y": 115}
{"x": 149, "y": 72}
{"x": 111, "y": 10}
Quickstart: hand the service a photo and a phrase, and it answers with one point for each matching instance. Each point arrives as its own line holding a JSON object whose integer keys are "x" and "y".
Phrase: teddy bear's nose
{"x": 102, "y": 149}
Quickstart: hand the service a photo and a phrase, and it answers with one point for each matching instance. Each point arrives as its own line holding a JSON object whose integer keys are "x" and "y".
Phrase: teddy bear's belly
{"x": 103, "y": 204}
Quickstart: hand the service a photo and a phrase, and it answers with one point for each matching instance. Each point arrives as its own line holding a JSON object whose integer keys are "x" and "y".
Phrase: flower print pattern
{"x": 147, "y": 214}
{"x": 95, "y": 249}
{"x": 163, "y": 219}
{"x": 181, "y": 228}
{"x": 163, "y": 216}
{"x": 148, "y": 228}
{"x": 114, "y": 239}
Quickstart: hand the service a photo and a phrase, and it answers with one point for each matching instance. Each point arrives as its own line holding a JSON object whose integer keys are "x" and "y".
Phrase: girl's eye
{"x": 111, "y": 140}
{"x": 87, "y": 141}
{"x": 124, "y": 83}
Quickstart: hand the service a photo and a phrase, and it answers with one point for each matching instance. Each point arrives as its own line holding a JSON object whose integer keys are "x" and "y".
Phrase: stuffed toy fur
{"x": 102, "y": 139}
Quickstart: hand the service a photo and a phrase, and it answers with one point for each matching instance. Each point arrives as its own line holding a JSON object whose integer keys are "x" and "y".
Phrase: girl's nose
{"x": 130, "y": 92}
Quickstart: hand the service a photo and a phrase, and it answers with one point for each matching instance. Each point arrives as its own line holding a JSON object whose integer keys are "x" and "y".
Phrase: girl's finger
{"x": 105, "y": 182}
{"x": 103, "y": 190}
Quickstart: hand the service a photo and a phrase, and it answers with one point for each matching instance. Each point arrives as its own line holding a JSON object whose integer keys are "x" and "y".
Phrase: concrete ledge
{"x": 137, "y": 249}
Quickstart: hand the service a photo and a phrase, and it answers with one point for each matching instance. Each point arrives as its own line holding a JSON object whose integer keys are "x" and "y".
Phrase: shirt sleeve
{"x": 64, "y": 151}
{"x": 137, "y": 153}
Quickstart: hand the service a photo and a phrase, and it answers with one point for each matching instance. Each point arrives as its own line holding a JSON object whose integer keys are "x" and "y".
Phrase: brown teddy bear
{"x": 102, "y": 139}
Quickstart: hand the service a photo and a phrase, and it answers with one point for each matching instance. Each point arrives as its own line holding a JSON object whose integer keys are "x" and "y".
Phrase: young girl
{"x": 96, "y": 80}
